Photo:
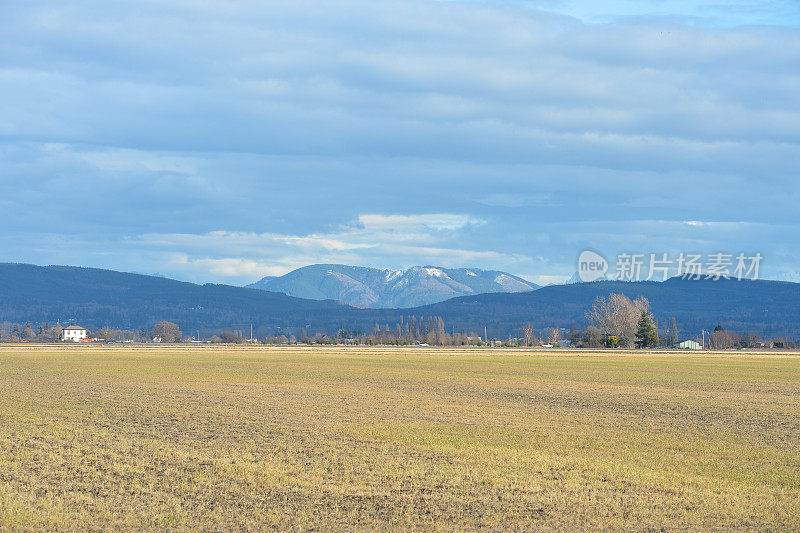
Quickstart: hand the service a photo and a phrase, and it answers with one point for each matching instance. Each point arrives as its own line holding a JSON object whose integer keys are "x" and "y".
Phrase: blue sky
{"x": 222, "y": 142}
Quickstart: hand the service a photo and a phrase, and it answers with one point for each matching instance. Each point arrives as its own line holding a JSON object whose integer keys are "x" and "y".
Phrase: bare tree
{"x": 107, "y": 333}
{"x": 528, "y": 334}
{"x": 554, "y": 336}
{"x": 168, "y": 331}
{"x": 751, "y": 340}
{"x": 593, "y": 338}
{"x": 721, "y": 339}
{"x": 672, "y": 333}
{"x": 617, "y": 314}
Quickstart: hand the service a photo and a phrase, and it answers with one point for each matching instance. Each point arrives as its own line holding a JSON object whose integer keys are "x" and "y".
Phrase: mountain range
{"x": 372, "y": 287}
{"x": 95, "y": 298}
{"x": 764, "y": 307}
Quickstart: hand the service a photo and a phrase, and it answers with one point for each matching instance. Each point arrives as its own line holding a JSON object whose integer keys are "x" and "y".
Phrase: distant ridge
{"x": 95, "y": 298}
{"x": 756, "y": 306}
{"x": 377, "y": 288}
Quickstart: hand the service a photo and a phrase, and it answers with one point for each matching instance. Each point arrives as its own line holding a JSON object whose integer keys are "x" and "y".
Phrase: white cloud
{"x": 399, "y": 223}
{"x": 547, "y": 280}
{"x": 227, "y": 267}
{"x": 493, "y": 131}
{"x": 372, "y": 239}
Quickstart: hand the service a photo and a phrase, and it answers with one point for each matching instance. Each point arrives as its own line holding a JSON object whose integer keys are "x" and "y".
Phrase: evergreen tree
{"x": 646, "y": 336}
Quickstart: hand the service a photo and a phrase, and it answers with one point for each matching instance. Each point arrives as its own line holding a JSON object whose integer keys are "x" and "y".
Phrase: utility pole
{"x": 485, "y": 336}
{"x": 251, "y": 332}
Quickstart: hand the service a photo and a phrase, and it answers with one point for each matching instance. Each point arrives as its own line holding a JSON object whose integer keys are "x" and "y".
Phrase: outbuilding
{"x": 688, "y": 345}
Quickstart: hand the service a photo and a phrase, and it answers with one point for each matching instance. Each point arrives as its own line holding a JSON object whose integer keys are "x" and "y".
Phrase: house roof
{"x": 73, "y": 328}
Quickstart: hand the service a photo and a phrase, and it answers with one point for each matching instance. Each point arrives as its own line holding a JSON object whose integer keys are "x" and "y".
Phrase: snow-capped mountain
{"x": 372, "y": 287}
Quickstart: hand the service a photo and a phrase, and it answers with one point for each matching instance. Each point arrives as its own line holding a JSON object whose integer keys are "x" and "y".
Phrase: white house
{"x": 73, "y": 333}
{"x": 688, "y": 345}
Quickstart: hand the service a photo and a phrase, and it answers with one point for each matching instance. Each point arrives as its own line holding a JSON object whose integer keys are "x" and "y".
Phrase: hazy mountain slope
{"x": 763, "y": 307}
{"x": 97, "y": 298}
{"x": 371, "y": 287}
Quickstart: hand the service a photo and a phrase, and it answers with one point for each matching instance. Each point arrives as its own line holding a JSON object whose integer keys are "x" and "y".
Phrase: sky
{"x": 223, "y": 142}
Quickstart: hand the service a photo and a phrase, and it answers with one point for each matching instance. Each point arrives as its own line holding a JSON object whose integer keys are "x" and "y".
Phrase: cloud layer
{"x": 214, "y": 141}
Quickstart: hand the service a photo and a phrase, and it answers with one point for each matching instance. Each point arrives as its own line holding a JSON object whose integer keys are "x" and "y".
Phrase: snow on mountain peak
{"x": 393, "y": 274}
{"x": 371, "y": 287}
{"x": 435, "y": 272}
{"x": 511, "y": 284}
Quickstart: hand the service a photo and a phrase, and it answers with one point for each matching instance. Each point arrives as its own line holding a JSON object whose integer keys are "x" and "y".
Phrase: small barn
{"x": 74, "y": 334}
{"x": 688, "y": 345}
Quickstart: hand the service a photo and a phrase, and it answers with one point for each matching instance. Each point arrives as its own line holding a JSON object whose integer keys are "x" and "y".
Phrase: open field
{"x": 246, "y": 438}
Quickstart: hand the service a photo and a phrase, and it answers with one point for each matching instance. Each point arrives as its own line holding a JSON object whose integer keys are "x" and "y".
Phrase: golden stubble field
{"x": 221, "y": 438}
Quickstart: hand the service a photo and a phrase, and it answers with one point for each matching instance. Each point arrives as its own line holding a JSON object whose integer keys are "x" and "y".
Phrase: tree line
{"x": 408, "y": 330}
{"x": 615, "y": 321}
{"x": 26, "y": 332}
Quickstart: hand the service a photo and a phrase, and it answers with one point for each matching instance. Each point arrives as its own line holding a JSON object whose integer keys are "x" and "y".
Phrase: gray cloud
{"x": 273, "y": 118}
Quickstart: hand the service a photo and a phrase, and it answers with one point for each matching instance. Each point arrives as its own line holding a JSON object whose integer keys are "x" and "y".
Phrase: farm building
{"x": 73, "y": 333}
{"x": 688, "y": 345}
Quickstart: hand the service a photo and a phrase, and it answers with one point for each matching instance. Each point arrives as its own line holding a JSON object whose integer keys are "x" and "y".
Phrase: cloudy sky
{"x": 216, "y": 141}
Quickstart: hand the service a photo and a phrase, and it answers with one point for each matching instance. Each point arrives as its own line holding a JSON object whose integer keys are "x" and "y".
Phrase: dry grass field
{"x": 216, "y": 438}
